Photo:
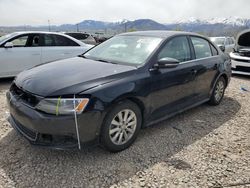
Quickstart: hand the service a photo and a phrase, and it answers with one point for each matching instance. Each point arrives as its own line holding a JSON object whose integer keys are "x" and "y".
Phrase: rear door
{"x": 207, "y": 62}
{"x": 25, "y": 53}
{"x": 57, "y": 47}
{"x": 173, "y": 89}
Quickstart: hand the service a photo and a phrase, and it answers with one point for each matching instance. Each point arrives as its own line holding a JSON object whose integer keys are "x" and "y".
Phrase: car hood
{"x": 69, "y": 76}
{"x": 243, "y": 40}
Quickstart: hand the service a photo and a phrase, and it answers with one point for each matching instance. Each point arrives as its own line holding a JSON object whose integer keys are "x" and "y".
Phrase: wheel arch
{"x": 223, "y": 75}
{"x": 131, "y": 98}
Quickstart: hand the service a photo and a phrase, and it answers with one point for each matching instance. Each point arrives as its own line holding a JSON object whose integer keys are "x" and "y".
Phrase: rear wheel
{"x": 121, "y": 126}
{"x": 218, "y": 92}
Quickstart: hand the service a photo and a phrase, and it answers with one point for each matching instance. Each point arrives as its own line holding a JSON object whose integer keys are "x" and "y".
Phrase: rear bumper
{"x": 53, "y": 131}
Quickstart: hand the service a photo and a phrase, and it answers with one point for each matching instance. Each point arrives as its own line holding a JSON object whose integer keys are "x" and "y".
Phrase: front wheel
{"x": 121, "y": 126}
{"x": 218, "y": 92}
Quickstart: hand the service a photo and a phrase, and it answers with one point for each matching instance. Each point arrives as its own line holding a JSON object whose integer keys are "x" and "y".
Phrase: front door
{"x": 24, "y": 54}
{"x": 173, "y": 89}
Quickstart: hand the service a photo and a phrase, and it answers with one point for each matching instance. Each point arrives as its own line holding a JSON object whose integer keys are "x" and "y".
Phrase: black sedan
{"x": 108, "y": 94}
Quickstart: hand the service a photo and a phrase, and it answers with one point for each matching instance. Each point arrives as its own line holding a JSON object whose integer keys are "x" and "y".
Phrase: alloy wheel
{"x": 122, "y": 127}
{"x": 219, "y": 90}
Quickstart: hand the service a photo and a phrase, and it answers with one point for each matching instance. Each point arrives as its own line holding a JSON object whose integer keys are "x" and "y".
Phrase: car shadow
{"x": 28, "y": 166}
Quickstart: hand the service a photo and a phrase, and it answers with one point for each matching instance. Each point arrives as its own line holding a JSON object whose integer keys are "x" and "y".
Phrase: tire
{"x": 218, "y": 92}
{"x": 121, "y": 126}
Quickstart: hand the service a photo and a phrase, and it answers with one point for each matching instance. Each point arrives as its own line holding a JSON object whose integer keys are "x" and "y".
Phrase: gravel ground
{"x": 203, "y": 147}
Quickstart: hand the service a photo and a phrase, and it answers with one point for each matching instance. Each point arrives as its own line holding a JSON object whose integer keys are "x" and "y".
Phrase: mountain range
{"x": 210, "y": 27}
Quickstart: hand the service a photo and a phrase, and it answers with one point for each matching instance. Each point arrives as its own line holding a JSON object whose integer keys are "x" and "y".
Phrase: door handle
{"x": 193, "y": 71}
{"x": 35, "y": 54}
{"x": 215, "y": 66}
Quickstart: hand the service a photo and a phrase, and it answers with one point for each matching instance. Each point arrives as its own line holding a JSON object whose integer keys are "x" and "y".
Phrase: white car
{"x": 226, "y": 44}
{"x": 23, "y": 50}
{"x": 241, "y": 56}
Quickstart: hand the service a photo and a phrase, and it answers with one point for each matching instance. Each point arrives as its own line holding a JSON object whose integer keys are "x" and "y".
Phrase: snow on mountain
{"x": 123, "y": 21}
{"x": 192, "y": 20}
{"x": 235, "y": 21}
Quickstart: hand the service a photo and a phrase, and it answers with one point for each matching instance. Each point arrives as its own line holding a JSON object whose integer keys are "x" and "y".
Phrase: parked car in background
{"x": 84, "y": 37}
{"x": 241, "y": 55}
{"x": 101, "y": 37}
{"x": 108, "y": 94}
{"x": 23, "y": 50}
{"x": 226, "y": 44}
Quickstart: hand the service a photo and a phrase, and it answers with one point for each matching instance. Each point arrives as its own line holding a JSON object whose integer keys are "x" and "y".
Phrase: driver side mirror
{"x": 8, "y": 45}
{"x": 167, "y": 62}
{"x": 222, "y": 47}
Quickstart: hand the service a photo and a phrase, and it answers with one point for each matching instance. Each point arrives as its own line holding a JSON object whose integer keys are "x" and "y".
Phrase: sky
{"x": 38, "y": 12}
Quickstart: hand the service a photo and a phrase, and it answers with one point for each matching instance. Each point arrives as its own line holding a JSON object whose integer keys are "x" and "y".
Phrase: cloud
{"x": 30, "y": 12}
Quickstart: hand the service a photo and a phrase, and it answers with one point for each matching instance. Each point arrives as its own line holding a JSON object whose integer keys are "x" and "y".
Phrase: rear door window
{"x": 232, "y": 40}
{"x": 48, "y": 40}
{"x": 201, "y": 47}
{"x": 227, "y": 41}
{"x": 58, "y": 40}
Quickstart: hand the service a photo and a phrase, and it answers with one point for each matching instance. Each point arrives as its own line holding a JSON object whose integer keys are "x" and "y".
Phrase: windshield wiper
{"x": 101, "y": 60}
{"x": 83, "y": 56}
{"x": 105, "y": 61}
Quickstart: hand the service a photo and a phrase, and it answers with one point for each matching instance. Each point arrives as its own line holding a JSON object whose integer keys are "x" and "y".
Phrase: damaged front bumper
{"x": 57, "y": 132}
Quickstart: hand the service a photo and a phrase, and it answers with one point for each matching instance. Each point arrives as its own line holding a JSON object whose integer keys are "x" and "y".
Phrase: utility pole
{"x": 77, "y": 27}
{"x": 125, "y": 26}
{"x": 49, "y": 25}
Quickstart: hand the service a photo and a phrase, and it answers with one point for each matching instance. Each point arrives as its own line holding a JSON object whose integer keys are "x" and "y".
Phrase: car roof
{"x": 36, "y": 32}
{"x": 160, "y": 33}
{"x": 48, "y": 32}
{"x": 76, "y": 33}
{"x": 221, "y": 37}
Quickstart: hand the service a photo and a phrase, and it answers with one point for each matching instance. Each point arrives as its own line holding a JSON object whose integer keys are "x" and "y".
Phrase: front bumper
{"x": 240, "y": 65}
{"x": 53, "y": 131}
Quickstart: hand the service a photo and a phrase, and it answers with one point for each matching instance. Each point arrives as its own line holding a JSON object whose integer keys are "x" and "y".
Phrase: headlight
{"x": 62, "y": 106}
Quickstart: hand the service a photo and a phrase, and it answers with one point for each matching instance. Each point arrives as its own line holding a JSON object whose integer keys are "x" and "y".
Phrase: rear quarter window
{"x": 63, "y": 41}
{"x": 214, "y": 50}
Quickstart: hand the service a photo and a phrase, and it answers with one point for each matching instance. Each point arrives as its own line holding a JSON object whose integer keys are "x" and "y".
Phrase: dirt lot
{"x": 203, "y": 147}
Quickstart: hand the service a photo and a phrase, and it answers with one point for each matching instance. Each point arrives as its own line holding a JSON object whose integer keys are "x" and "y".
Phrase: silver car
{"x": 226, "y": 44}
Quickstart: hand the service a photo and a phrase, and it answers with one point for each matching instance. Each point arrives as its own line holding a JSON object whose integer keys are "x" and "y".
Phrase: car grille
{"x": 245, "y": 53}
{"x": 26, "y": 97}
{"x": 242, "y": 69}
{"x": 29, "y": 134}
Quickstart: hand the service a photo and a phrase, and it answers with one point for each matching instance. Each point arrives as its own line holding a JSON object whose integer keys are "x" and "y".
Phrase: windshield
{"x": 3, "y": 38}
{"x": 218, "y": 41}
{"x": 131, "y": 50}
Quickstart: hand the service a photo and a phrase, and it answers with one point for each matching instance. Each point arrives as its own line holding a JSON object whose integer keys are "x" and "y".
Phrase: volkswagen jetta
{"x": 110, "y": 92}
